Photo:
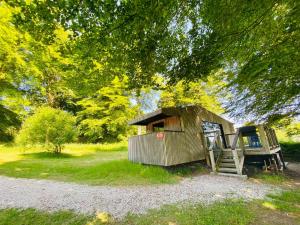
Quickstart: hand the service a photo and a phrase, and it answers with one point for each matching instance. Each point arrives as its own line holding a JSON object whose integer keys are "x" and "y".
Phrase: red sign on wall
{"x": 160, "y": 136}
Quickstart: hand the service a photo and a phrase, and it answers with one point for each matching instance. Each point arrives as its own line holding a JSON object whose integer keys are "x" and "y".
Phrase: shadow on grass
{"x": 48, "y": 155}
{"x": 186, "y": 169}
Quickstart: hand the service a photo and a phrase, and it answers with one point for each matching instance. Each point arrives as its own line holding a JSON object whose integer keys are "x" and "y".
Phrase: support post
{"x": 140, "y": 128}
{"x": 282, "y": 159}
{"x": 236, "y": 161}
{"x": 212, "y": 160}
{"x": 263, "y": 138}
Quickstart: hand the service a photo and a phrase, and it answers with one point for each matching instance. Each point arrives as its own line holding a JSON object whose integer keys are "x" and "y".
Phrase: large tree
{"x": 12, "y": 60}
{"x": 105, "y": 115}
{"x": 199, "y": 93}
{"x": 255, "y": 42}
{"x": 260, "y": 50}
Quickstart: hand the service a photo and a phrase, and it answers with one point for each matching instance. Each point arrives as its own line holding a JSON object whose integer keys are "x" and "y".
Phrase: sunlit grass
{"x": 15, "y": 152}
{"x": 84, "y": 149}
{"x": 95, "y": 164}
{"x": 288, "y": 201}
{"x": 224, "y": 213}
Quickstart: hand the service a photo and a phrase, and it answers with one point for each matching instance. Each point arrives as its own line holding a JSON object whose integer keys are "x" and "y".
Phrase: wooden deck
{"x": 260, "y": 151}
{"x": 253, "y": 151}
{"x": 263, "y": 145}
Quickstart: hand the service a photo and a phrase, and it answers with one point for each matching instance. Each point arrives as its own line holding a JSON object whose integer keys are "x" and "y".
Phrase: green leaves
{"x": 199, "y": 93}
{"x": 105, "y": 115}
{"x": 52, "y": 127}
{"x": 262, "y": 39}
{"x": 74, "y": 48}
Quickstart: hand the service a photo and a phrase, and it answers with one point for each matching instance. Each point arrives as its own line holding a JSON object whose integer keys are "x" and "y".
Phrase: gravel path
{"x": 118, "y": 201}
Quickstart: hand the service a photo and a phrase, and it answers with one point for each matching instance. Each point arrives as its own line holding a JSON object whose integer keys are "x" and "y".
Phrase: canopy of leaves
{"x": 255, "y": 42}
{"x": 105, "y": 115}
{"x": 261, "y": 53}
{"x": 10, "y": 59}
{"x": 32, "y": 72}
{"x": 192, "y": 93}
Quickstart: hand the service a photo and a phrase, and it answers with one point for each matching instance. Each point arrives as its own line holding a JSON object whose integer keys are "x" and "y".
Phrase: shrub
{"x": 291, "y": 150}
{"x": 49, "y": 126}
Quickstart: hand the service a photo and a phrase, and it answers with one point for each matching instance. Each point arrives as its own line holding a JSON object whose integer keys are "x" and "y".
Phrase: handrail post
{"x": 212, "y": 157}
{"x": 236, "y": 160}
{"x": 234, "y": 152}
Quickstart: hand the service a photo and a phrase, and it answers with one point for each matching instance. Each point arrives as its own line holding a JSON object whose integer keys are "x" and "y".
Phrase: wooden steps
{"x": 226, "y": 166}
{"x": 227, "y": 160}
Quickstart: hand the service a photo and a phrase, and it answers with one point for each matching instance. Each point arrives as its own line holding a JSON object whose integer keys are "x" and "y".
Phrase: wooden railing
{"x": 238, "y": 161}
{"x": 235, "y": 140}
{"x": 213, "y": 154}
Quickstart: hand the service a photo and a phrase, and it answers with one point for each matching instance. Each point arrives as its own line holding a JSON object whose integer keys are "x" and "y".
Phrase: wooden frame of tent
{"x": 178, "y": 135}
{"x": 173, "y": 136}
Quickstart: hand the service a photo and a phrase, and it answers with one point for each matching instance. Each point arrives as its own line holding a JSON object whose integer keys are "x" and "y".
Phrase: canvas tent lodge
{"x": 178, "y": 135}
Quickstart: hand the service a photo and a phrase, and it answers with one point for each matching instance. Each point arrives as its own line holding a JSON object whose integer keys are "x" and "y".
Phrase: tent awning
{"x": 154, "y": 116}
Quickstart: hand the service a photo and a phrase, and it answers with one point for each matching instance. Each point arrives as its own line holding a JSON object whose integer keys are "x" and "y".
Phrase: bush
{"x": 291, "y": 150}
{"x": 49, "y": 126}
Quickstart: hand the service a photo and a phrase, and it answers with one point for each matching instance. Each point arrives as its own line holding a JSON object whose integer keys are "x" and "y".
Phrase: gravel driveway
{"x": 118, "y": 201}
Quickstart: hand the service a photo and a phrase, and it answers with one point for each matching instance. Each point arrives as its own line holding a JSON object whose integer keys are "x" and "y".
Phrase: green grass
{"x": 272, "y": 178}
{"x": 288, "y": 201}
{"x": 227, "y": 212}
{"x": 32, "y": 216}
{"x": 276, "y": 209}
{"x": 93, "y": 164}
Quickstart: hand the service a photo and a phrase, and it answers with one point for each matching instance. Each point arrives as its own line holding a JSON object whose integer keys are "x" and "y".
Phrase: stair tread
{"x": 227, "y": 165}
{"x": 230, "y": 170}
{"x": 227, "y": 160}
{"x": 231, "y": 175}
{"x": 221, "y": 168}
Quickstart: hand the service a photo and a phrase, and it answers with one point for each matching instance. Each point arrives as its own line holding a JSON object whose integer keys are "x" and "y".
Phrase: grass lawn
{"x": 93, "y": 164}
{"x": 276, "y": 209}
{"x": 272, "y": 178}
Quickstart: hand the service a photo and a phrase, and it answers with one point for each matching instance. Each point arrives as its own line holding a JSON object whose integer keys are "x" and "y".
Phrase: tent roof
{"x": 164, "y": 113}
{"x": 154, "y": 116}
